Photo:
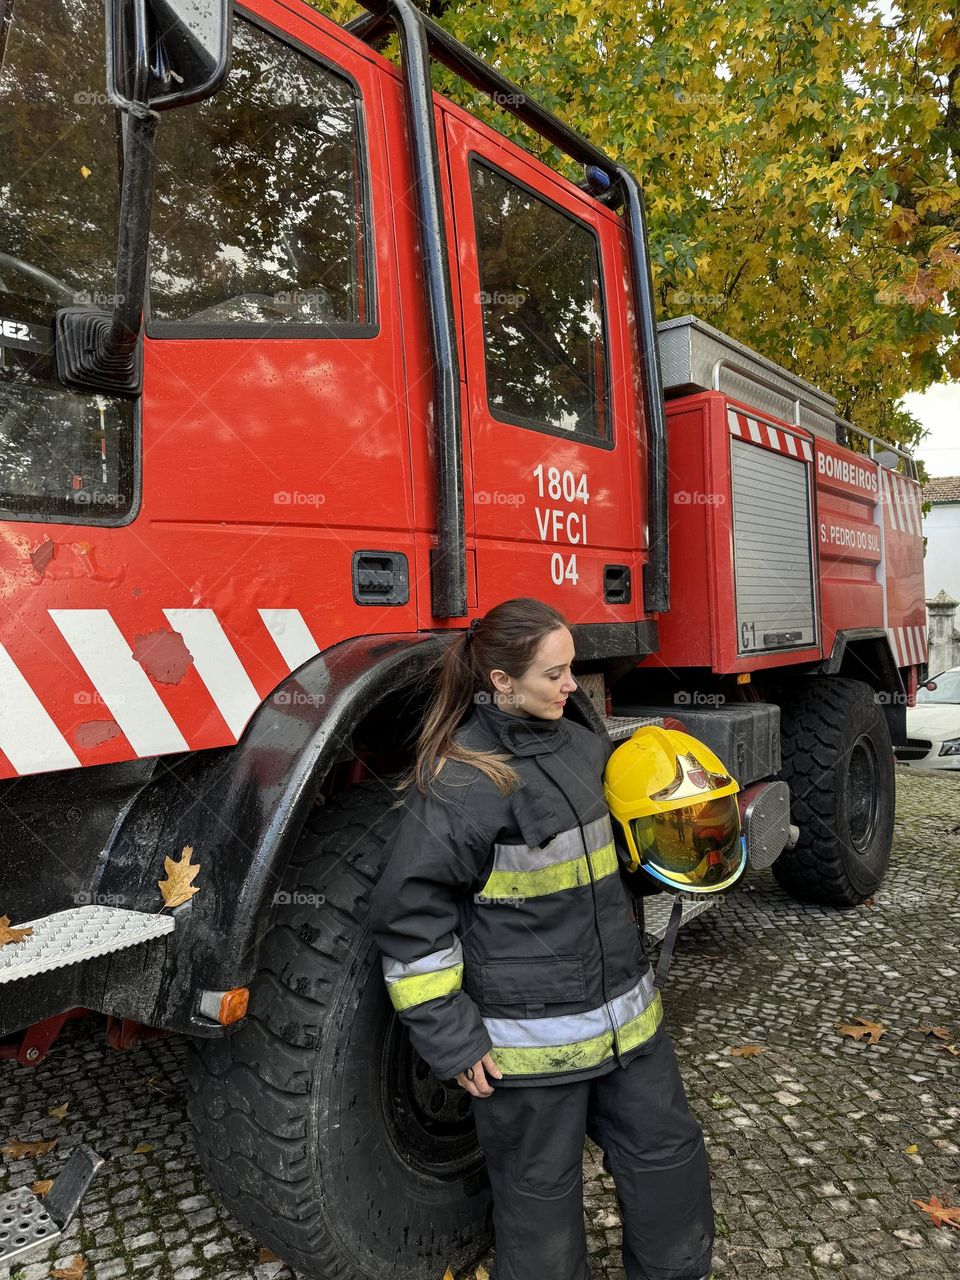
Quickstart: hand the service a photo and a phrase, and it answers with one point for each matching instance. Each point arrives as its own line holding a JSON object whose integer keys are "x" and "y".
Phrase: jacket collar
{"x": 521, "y": 735}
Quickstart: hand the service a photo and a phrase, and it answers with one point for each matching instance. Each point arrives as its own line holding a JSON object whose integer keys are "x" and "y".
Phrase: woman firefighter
{"x": 511, "y": 953}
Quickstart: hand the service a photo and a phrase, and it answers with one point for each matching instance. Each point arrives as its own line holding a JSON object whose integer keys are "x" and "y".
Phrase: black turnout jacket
{"x": 505, "y": 922}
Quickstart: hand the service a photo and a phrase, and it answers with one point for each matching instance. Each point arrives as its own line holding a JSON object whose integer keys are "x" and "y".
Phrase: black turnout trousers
{"x": 532, "y": 1137}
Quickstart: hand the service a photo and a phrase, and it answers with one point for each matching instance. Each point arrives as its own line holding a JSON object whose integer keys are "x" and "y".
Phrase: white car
{"x": 933, "y": 725}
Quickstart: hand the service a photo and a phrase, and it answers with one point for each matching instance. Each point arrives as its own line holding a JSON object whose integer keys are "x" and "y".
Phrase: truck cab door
{"x": 552, "y": 401}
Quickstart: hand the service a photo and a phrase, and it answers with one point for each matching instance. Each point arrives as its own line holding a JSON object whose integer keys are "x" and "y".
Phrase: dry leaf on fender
{"x": 178, "y": 887}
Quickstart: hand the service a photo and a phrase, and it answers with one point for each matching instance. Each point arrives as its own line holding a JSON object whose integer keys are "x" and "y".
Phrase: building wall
{"x": 941, "y": 528}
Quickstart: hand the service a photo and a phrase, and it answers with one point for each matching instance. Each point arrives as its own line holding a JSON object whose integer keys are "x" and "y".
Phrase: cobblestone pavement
{"x": 817, "y": 1146}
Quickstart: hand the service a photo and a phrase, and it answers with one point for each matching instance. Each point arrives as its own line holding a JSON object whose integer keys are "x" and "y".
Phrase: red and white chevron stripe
{"x": 909, "y": 645}
{"x": 746, "y": 427}
{"x": 901, "y": 499}
{"x": 31, "y": 740}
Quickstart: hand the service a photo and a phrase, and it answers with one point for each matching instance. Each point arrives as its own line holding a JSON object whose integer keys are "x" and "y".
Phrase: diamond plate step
{"x": 657, "y": 908}
{"x": 67, "y": 937}
{"x": 28, "y": 1223}
{"x": 622, "y": 727}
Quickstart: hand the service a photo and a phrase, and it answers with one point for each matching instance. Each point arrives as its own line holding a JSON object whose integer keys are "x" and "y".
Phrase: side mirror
{"x": 166, "y": 53}
{"x": 160, "y": 54}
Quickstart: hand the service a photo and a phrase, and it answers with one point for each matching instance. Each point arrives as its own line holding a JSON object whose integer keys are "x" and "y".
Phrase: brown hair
{"x": 506, "y": 637}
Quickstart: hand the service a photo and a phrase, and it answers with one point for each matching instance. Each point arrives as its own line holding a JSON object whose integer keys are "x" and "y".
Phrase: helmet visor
{"x": 695, "y": 847}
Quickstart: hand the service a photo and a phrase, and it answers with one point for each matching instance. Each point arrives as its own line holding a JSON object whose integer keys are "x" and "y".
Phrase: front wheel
{"x": 838, "y": 760}
{"x": 320, "y": 1128}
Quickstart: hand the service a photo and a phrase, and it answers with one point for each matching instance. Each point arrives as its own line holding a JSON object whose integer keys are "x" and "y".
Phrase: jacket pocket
{"x": 531, "y": 980}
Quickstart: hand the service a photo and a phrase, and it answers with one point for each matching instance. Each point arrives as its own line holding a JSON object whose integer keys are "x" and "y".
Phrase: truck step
{"x": 620, "y": 728}
{"x": 29, "y": 1224}
{"x": 656, "y": 912}
{"x": 80, "y": 933}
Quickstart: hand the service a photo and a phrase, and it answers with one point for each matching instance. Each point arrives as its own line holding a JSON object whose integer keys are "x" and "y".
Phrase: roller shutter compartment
{"x": 773, "y": 555}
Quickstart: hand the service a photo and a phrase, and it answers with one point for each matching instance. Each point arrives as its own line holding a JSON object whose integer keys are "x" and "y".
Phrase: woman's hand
{"x": 474, "y": 1079}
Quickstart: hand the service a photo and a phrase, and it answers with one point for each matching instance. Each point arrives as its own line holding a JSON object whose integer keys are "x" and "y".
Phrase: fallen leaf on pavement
{"x": 267, "y": 1255}
{"x": 940, "y": 1032}
{"x": 862, "y": 1027}
{"x": 58, "y": 1112}
{"x": 482, "y": 1273}
{"x": 41, "y": 1186}
{"x": 952, "y": 1048}
{"x": 20, "y": 1150}
{"x": 911, "y": 1150}
{"x": 448, "y": 1274}
{"x": 747, "y": 1050}
{"x": 941, "y": 1215}
{"x": 74, "y": 1271}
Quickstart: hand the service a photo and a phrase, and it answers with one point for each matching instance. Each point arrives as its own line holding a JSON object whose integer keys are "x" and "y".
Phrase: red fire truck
{"x": 383, "y": 369}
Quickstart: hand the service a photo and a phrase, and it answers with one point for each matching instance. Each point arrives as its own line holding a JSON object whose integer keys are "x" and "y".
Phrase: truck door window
{"x": 63, "y": 456}
{"x": 540, "y": 298}
{"x": 259, "y": 211}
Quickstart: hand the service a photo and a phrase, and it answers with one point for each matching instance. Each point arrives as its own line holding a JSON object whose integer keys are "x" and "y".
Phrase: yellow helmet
{"x": 678, "y": 809}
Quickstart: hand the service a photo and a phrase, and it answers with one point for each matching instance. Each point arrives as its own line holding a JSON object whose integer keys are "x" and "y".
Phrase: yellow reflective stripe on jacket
{"x": 406, "y": 992}
{"x": 579, "y": 1054}
{"x": 414, "y": 981}
{"x": 551, "y": 879}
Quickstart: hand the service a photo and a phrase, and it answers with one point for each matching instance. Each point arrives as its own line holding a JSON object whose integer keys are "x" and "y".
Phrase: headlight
{"x": 951, "y": 747}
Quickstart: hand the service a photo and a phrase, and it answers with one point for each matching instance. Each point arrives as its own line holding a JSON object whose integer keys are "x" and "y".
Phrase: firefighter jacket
{"x": 505, "y": 922}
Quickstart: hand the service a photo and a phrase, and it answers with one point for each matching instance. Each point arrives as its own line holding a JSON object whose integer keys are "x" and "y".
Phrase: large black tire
{"x": 322, "y": 1131}
{"x": 838, "y": 760}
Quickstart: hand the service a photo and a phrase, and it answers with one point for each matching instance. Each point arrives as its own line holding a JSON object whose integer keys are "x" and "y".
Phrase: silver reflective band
{"x": 566, "y": 845}
{"x": 543, "y": 1033}
{"x": 394, "y": 970}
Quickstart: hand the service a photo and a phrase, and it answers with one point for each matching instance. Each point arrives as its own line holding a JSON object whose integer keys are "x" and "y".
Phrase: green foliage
{"x": 799, "y": 162}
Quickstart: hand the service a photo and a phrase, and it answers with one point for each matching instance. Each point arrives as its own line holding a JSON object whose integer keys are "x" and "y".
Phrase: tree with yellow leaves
{"x": 799, "y": 163}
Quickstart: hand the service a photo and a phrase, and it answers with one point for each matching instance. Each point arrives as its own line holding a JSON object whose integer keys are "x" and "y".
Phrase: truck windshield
{"x": 62, "y": 456}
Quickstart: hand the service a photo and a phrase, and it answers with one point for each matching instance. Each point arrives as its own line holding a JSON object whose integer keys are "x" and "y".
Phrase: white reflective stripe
{"x": 28, "y": 737}
{"x": 291, "y": 635}
{"x": 892, "y": 637}
{"x": 900, "y": 522}
{"x": 791, "y": 444}
{"x": 633, "y": 1002}
{"x": 732, "y": 421}
{"x": 394, "y": 970}
{"x": 544, "y": 1033}
{"x": 912, "y": 645}
{"x": 774, "y": 435}
{"x": 565, "y": 845}
{"x": 754, "y": 430}
{"x": 805, "y": 447}
{"x": 217, "y": 665}
{"x": 922, "y": 643}
{"x": 907, "y": 495}
{"x": 121, "y": 682}
{"x": 887, "y": 496}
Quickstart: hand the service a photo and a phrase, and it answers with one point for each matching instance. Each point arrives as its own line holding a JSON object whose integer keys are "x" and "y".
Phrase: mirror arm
{"x": 98, "y": 350}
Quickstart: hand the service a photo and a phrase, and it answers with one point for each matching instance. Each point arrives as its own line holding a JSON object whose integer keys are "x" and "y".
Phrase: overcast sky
{"x": 938, "y": 408}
